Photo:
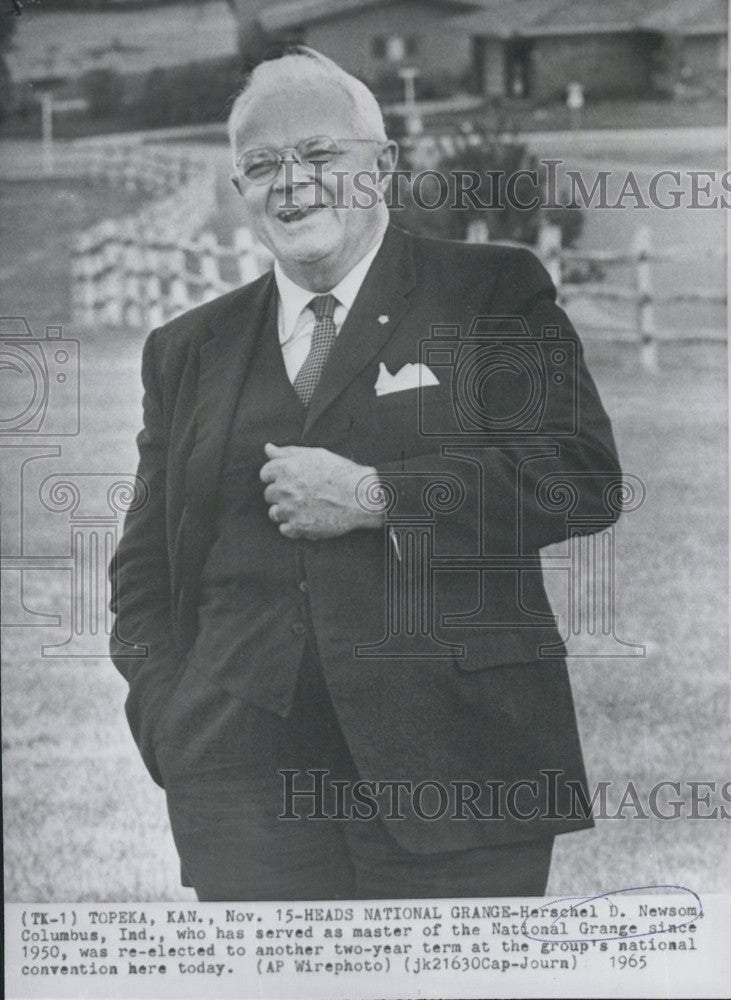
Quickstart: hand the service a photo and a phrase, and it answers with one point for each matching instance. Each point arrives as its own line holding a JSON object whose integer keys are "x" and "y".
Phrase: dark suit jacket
{"x": 516, "y": 414}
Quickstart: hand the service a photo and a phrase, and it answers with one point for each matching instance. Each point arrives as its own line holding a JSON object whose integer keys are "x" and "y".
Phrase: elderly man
{"x": 352, "y": 684}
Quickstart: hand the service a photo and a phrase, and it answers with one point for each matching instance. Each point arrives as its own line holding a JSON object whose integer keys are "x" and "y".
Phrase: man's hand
{"x": 311, "y": 492}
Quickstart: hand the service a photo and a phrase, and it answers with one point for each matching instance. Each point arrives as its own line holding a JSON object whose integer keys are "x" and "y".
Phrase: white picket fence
{"x": 129, "y": 273}
{"x": 146, "y": 268}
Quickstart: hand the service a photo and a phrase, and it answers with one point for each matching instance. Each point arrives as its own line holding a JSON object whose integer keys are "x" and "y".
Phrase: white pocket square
{"x": 411, "y": 376}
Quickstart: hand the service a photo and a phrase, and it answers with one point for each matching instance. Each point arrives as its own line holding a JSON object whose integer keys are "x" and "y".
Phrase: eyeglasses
{"x": 259, "y": 166}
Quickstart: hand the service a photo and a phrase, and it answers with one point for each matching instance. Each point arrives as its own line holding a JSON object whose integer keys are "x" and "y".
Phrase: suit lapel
{"x": 377, "y": 310}
{"x": 224, "y": 358}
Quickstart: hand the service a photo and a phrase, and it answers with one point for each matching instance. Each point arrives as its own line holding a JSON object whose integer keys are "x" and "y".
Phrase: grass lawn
{"x": 605, "y": 114}
{"x": 82, "y": 820}
{"x": 35, "y": 255}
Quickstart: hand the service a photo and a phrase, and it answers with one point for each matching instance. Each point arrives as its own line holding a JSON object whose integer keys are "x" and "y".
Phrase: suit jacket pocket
{"x": 147, "y": 700}
{"x": 501, "y": 647}
{"x": 408, "y": 422}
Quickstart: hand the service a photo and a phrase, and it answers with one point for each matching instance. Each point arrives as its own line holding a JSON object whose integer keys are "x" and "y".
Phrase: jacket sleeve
{"x": 531, "y": 480}
{"x": 142, "y": 646}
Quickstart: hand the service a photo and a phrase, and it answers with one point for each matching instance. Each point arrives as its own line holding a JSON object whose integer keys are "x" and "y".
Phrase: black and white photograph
{"x": 364, "y": 498}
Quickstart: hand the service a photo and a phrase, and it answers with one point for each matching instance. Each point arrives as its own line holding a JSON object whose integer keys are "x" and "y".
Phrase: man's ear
{"x": 388, "y": 157}
{"x": 386, "y": 160}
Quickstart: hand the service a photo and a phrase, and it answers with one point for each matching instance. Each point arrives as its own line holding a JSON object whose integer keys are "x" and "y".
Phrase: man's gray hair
{"x": 301, "y": 67}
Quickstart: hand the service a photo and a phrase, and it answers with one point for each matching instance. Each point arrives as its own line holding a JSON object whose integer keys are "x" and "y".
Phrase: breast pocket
{"x": 408, "y": 420}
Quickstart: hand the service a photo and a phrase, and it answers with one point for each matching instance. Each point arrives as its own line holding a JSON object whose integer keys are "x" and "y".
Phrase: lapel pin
{"x": 383, "y": 319}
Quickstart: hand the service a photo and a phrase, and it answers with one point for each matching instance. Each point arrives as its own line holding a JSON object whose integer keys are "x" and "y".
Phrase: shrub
{"x": 104, "y": 90}
{"x": 189, "y": 94}
{"x": 495, "y": 161}
{"x": 156, "y": 103}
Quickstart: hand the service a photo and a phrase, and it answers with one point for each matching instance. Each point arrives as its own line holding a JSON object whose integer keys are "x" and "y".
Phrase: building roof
{"x": 536, "y": 18}
{"x": 689, "y": 17}
{"x": 294, "y": 13}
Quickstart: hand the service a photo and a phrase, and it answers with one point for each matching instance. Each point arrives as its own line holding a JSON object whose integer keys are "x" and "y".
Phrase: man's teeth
{"x": 299, "y": 212}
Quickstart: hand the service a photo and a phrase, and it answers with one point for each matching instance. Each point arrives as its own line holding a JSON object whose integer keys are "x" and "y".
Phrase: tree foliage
{"x": 498, "y": 199}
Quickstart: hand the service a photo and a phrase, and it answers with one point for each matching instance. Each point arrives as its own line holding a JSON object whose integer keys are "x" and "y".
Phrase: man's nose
{"x": 291, "y": 172}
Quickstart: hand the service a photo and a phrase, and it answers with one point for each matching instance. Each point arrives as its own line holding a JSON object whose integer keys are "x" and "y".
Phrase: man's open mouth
{"x": 297, "y": 212}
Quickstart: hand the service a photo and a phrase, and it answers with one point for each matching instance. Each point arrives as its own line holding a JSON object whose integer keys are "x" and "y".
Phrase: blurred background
{"x": 118, "y": 213}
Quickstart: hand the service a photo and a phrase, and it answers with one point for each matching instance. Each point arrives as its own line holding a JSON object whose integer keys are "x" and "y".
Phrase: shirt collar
{"x": 293, "y": 298}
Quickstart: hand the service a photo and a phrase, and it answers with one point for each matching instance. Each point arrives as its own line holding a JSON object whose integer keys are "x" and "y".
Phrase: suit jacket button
{"x": 298, "y": 628}
{"x": 303, "y": 586}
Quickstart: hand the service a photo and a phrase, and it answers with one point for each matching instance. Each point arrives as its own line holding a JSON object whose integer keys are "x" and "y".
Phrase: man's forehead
{"x": 278, "y": 116}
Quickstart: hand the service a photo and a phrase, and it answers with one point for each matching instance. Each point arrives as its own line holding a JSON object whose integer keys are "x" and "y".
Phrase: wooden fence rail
{"x": 118, "y": 265}
{"x": 146, "y": 269}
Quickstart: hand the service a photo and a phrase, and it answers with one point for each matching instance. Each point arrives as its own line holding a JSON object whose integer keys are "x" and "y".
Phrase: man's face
{"x": 306, "y": 217}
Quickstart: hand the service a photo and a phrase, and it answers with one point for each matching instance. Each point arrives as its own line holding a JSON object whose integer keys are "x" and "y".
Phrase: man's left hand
{"x": 311, "y": 492}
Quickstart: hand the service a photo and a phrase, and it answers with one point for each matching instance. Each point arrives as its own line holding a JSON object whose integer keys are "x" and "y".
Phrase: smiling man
{"x": 343, "y": 666}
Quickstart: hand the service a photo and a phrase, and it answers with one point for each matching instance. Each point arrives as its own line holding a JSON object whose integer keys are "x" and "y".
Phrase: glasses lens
{"x": 318, "y": 149}
{"x": 258, "y": 165}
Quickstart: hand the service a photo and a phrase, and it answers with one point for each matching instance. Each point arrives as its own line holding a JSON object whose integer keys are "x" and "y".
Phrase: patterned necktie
{"x": 323, "y": 337}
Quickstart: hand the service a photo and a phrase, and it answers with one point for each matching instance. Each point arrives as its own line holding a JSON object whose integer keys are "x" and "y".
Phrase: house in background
{"x": 534, "y": 49}
{"x": 507, "y": 49}
{"x": 695, "y": 41}
{"x": 373, "y": 39}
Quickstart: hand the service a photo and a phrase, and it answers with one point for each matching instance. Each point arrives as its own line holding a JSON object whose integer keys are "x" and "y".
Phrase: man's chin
{"x": 308, "y": 239}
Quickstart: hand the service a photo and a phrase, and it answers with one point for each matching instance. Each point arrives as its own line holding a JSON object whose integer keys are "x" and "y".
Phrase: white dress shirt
{"x": 297, "y": 320}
